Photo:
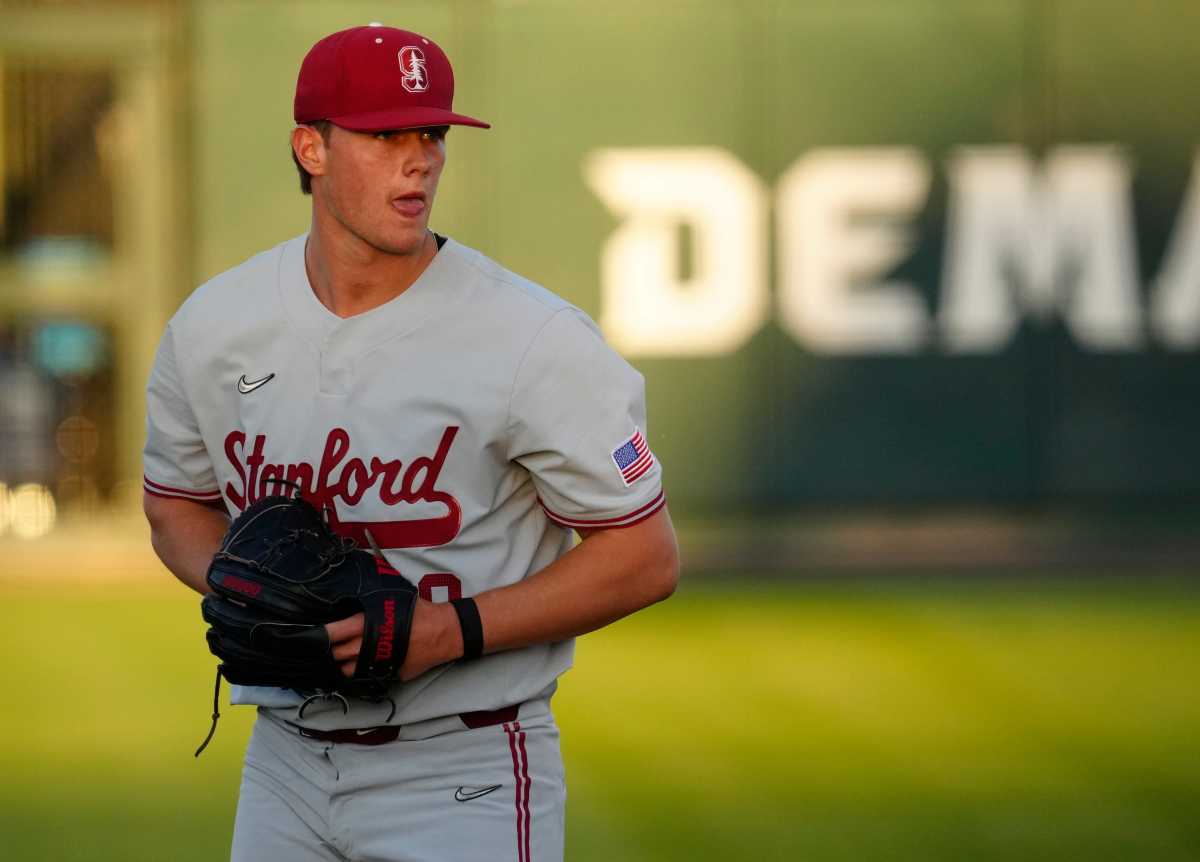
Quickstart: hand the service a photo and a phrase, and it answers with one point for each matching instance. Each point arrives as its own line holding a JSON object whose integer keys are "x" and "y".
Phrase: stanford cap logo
{"x": 412, "y": 67}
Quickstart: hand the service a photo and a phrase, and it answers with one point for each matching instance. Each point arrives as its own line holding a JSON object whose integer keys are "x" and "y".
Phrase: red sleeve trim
{"x": 180, "y": 493}
{"x": 627, "y": 520}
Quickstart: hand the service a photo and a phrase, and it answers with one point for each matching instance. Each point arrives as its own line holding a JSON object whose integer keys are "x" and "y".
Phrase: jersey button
{"x": 335, "y": 379}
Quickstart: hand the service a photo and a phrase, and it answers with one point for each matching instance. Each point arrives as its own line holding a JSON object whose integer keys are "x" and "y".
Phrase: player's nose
{"x": 417, "y": 155}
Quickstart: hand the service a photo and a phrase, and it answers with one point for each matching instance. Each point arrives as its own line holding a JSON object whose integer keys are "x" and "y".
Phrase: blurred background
{"x": 915, "y": 287}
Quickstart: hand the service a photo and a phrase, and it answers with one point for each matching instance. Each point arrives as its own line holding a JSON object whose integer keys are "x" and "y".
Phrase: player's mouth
{"x": 411, "y": 204}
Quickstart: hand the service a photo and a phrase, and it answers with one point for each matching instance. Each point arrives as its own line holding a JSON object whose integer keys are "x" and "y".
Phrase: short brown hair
{"x": 326, "y": 129}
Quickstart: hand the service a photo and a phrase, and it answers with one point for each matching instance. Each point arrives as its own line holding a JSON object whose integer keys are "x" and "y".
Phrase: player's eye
{"x": 429, "y": 133}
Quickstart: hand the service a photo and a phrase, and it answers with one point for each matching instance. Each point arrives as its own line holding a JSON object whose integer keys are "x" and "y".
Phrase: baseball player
{"x": 465, "y": 418}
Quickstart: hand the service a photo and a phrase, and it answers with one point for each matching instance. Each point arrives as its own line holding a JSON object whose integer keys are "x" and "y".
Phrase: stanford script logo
{"x": 341, "y": 479}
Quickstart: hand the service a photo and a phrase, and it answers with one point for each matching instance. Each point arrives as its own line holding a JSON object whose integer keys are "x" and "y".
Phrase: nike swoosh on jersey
{"x": 247, "y": 386}
{"x": 466, "y": 794}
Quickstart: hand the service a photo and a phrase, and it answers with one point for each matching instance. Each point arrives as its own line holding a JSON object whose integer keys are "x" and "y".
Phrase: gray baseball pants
{"x": 441, "y": 792}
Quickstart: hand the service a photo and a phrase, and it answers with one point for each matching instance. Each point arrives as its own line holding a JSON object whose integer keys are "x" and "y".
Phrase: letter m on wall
{"x": 1022, "y": 241}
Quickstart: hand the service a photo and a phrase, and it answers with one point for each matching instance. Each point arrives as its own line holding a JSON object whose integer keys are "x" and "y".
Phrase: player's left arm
{"x": 609, "y": 575}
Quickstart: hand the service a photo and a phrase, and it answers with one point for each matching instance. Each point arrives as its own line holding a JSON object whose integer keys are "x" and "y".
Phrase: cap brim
{"x": 408, "y": 118}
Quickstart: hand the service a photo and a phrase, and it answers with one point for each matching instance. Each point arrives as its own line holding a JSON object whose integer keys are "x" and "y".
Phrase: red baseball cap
{"x": 376, "y": 78}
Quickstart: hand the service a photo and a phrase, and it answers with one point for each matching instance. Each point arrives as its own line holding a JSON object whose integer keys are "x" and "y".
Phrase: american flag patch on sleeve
{"x": 633, "y": 458}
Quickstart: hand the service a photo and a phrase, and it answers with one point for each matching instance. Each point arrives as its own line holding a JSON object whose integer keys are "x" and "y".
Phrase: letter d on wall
{"x": 647, "y": 308}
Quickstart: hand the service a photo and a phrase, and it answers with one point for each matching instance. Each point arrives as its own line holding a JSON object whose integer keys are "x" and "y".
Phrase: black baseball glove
{"x": 278, "y": 577}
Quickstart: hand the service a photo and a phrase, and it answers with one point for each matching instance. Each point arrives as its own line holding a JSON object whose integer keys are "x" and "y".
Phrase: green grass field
{"x": 890, "y": 720}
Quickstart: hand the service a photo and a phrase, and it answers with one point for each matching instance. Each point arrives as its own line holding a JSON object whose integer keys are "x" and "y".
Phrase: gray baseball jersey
{"x": 468, "y": 424}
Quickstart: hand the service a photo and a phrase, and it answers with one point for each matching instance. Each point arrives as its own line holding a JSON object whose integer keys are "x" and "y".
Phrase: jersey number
{"x": 440, "y": 587}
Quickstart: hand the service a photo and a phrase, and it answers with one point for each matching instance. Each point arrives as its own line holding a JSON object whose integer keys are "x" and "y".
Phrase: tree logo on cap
{"x": 412, "y": 67}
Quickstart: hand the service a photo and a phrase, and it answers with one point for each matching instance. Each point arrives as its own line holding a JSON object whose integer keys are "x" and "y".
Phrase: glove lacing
{"x": 216, "y": 714}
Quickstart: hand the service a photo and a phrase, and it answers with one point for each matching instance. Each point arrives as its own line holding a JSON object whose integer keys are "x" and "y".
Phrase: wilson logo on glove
{"x": 241, "y": 585}
{"x": 387, "y": 630}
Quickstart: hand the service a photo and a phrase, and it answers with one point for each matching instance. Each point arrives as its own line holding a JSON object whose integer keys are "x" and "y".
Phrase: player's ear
{"x": 310, "y": 150}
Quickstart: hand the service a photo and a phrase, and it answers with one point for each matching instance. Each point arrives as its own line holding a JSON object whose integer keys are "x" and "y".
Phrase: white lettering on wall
{"x": 1022, "y": 242}
{"x": 1175, "y": 295}
{"x": 648, "y": 308}
{"x": 841, "y": 224}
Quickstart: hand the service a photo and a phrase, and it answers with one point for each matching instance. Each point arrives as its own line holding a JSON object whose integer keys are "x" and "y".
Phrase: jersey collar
{"x": 435, "y": 290}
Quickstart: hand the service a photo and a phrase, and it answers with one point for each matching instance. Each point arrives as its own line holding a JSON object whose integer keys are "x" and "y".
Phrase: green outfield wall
{"x": 864, "y": 251}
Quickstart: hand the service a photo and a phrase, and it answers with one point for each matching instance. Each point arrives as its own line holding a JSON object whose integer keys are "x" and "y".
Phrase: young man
{"x": 465, "y": 417}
